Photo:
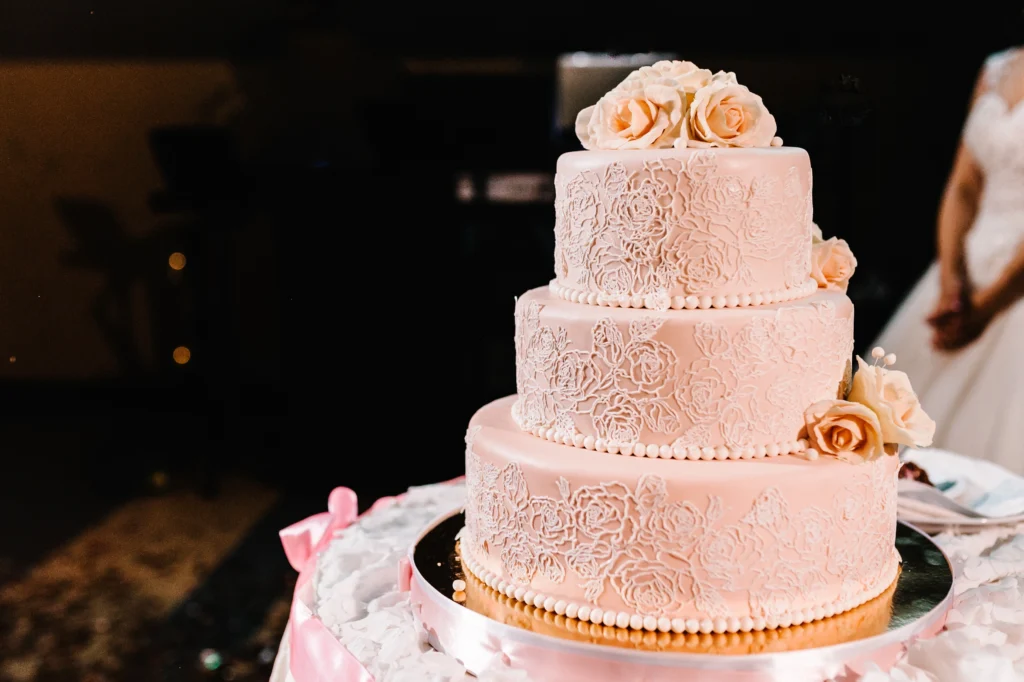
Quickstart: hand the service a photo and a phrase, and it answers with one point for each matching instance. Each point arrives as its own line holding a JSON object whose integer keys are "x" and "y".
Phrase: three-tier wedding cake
{"x": 689, "y": 449}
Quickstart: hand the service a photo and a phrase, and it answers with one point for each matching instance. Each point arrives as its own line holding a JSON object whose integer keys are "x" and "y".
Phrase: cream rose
{"x": 816, "y": 235}
{"x": 687, "y": 75}
{"x": 726, "y": 114}
{"x": 832, "y": 264}
{"x": 847, "y": 430}
{"x": 639, "y": 114}
{"x": 890, "y": 396}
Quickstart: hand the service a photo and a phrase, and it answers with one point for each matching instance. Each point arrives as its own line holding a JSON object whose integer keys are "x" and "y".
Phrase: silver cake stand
{"x": 478, "y": 626}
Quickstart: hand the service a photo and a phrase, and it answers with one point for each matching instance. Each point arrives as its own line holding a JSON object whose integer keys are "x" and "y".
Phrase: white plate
{"x": 977, "y": 484}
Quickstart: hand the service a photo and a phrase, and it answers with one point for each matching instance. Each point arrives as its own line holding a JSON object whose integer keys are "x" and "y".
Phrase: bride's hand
{"x": 954, "y": 298}
{"x": 968, "y": 326}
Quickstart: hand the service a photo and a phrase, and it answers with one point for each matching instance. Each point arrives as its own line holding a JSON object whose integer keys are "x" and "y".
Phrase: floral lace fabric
{"x": 665, "y": 557}
{"x": 627, "y": 383}
{"x": 679, "y": 225}
{"x": 359, "y": 600}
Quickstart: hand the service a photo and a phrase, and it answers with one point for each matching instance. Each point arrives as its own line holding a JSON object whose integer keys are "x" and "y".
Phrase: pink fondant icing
{"x": 664, "y": 225}
{"x": 688, "y": 384}
{"x": 686, "y": 546}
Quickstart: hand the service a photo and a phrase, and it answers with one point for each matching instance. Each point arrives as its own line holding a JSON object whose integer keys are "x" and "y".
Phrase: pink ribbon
{"x": 315, "y": 654}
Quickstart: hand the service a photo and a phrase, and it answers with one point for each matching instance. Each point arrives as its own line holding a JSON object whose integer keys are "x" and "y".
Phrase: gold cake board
{"x": 478, "y": 624}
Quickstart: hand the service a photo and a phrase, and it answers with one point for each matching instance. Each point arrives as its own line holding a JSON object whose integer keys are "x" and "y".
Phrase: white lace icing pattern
{"x": 678, "y": 225}
{"x": 659, "y": 555}
{"x": 627, "y": 382}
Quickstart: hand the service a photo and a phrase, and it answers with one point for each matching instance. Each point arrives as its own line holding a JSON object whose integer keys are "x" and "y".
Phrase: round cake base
{"x": 477, "y": 624}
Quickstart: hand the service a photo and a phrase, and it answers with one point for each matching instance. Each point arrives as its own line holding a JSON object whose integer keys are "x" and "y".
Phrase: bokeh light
{"x": 177, "y": 261}
{"x": 182, "y": 355}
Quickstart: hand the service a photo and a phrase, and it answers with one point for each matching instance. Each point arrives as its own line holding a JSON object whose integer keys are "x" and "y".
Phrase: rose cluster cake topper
{"x": 880, "y": 414}
{"x": 675, "y": 104}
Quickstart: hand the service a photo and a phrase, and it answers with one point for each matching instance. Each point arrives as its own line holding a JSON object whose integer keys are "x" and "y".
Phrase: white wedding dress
{"x": 976, "y": 395}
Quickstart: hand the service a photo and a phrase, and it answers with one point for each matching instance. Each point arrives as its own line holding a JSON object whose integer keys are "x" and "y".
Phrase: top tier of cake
{"x": 683, "y": 228}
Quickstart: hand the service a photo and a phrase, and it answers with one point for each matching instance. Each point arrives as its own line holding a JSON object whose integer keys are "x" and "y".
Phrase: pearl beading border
{"x": 585, "y": 627}
{"x": 683, "y": 302}
{"x": 635, "y": 621}
{"x": 691, "y": 452}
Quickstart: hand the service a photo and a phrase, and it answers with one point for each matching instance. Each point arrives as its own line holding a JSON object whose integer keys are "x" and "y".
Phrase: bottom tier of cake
{"x": 682, "y": 546}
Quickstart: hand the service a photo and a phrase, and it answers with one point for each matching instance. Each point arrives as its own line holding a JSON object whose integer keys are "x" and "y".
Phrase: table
{"x": 357, "y": 597}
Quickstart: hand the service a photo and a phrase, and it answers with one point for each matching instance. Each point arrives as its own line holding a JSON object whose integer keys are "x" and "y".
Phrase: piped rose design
{"x": 647, "y": 587}
{"x": 705, "y": 392}
{"x": 618, "y": 419}
{"x": 705, "y": 264}
{"x": 678, "y": 526}
{"x": 647, "y": 363}
{"x": 519, "y": 562}
{"x": 551, "y": 520}
{"x": 600, "y": 514}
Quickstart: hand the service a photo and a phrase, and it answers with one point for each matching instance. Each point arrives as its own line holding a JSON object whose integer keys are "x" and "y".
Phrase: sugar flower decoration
{"x": 676, "y": 104}
{"x": 881, "y": 413}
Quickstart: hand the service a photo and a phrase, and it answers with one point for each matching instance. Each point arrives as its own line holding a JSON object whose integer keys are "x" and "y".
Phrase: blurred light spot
{"x": 464, "y": 189}
{"x": 159, "y": 479}
{"x": 177, "y": 261}
{"x": 13, "y": 359}
{"x": 520, "y": 188}
{"x": 210, "y": 659}
{"x": 182, "y": 355}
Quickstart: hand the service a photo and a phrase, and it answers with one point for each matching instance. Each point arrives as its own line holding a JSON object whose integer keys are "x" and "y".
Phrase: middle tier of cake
{"x": 687, "y": 384}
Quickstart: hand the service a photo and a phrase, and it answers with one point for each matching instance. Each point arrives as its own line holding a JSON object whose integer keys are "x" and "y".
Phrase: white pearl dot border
{"x": 691, "y": 452}
{"x": 635, "y": 621}
{"x": 683, "y": 302}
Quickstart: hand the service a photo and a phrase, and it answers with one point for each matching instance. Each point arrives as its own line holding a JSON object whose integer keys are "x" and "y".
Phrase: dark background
{"x": 337, "y": 294}
{"x": 344, "y": 310}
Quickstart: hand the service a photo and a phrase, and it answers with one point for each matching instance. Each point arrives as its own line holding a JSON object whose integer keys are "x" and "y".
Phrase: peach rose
{"x": 816, "y": 236}
{"x": 726, "y": 114}
{"x": 647, "y": 110}
{"x": 832, "y": 264}
{"x": 847, "y": 430}
{"x": 636, "y": 115}
{"x": 890, "y": 396}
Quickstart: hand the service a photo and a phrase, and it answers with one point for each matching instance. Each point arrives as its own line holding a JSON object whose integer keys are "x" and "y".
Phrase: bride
{"x": 959, "y": 335}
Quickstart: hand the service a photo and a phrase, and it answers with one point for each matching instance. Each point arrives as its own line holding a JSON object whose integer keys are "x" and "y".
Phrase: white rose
{"x": 726, "y": 114}
{"x": 889, "y": 395}
{"x": 687, "y": 76}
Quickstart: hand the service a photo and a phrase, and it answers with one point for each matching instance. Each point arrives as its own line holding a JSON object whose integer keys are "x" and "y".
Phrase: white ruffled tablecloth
{"x": 357, "y": 597}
